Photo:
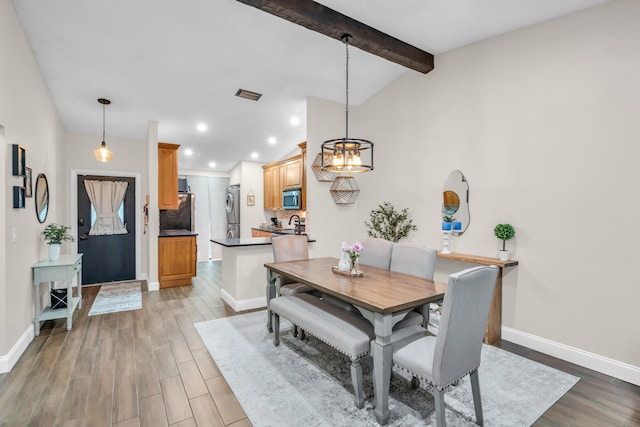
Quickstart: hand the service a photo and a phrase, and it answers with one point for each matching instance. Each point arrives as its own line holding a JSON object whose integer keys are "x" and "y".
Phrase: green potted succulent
{"x": 504, "y": 232}
{"x": 54, "y": 235}
{"x": 387, "y": 223}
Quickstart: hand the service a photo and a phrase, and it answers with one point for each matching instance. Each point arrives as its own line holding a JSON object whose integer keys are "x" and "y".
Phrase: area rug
{"x": 117, "y": 297}
{"x": 308, "y": 383}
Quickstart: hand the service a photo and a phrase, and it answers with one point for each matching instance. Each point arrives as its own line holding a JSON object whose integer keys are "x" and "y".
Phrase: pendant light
{"x": 347, "y": 155}
{"x": 103, "y": 154}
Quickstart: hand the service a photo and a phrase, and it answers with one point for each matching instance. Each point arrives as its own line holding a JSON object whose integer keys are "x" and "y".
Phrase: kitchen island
{"x": 243, "y": 274}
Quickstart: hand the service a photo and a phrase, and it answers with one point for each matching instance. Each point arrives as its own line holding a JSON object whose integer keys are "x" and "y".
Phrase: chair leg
{"x": 477, "y": 400}
{"x": 356, "y": 379}
{"x": 295, "y": 331}
{"x": 276, "y": 329}
{"x": 438, "y": 397}
{"x": 415, "y": 382}
{"x": 301, "y": 334}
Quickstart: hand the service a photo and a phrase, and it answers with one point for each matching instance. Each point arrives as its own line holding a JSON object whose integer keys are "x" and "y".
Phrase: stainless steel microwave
{"x": 292, "y": 199}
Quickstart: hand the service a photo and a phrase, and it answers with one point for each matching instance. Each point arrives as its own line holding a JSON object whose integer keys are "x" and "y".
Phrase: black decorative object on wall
{"x": 19, "y": 160}
{"x": 18, "y": 197}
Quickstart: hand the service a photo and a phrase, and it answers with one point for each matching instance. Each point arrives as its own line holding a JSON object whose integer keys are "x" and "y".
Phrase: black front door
{"x": 109, "y": 258}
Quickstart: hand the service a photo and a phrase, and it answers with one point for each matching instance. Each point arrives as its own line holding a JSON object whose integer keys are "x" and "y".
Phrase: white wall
{"x": 29, "y": 118}
{"x": 543, "y": 123}
{"x": 250, "y": 177}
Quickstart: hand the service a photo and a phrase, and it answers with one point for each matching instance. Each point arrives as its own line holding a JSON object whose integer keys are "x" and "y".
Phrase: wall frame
{"x": 19, "y": 160}
{"x": 28, "y": 187}
{"x": 18, "y": 197}
{"x": 251, "y": 200}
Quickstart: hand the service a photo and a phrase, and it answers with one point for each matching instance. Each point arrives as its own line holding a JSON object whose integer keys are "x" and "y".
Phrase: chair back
{"x": 415, "y": 260}
{"x": 464, "y": 317}
{"x": 376, "y": 253}
{"x": 289, "y": 248}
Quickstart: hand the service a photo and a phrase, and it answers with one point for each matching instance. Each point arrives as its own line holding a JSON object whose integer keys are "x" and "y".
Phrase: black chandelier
{"x": 347, "y": 155}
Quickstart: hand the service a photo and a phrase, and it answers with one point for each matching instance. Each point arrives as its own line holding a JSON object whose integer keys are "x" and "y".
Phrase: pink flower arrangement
{"x": 353, "y": 251}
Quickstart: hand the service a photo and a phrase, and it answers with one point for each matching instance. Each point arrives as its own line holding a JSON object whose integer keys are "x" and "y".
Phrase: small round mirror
{"x": 42, "y": 197}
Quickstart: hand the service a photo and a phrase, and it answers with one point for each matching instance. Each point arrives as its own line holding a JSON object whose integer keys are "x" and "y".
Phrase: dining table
{"x": 383, "y": 297}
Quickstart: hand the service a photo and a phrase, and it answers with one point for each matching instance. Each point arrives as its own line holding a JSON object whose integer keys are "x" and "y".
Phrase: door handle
{"x": 83, "y": 237}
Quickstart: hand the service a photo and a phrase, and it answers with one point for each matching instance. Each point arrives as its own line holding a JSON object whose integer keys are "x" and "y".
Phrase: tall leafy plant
{"x": 387, "y": 223}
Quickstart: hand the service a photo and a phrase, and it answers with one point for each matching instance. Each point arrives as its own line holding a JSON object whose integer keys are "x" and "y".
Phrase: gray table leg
{"x": 36, "y": 297}
{"x": 271, "y": 293}
{"x": 382, "y": 362}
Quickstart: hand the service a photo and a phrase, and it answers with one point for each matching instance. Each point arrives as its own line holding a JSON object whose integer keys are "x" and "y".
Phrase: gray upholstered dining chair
{"x": 376, "y": 252}
{"x": 290, "y": 247}
{"x": 456, "y": 351}
{"x": 416, "y": 260}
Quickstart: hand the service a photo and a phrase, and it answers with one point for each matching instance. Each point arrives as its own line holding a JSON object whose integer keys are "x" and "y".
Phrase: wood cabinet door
{"x": 293, "y": 176}
{"x": 167, "y": 176}
{"x": 177, "y": 258}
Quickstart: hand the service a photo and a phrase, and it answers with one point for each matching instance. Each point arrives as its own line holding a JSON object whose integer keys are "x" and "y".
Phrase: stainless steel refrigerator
{"x": 233, "y": 212}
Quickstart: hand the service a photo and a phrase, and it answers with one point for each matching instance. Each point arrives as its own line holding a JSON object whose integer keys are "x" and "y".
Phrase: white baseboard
{"x": 153, "y": 286}
{"x": 242, "y": 305}
{"x": 604, "y": 365}
{"x": 10, "y": 359}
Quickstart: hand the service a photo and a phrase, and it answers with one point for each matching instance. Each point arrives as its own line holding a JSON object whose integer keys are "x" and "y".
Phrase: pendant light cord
{"x": 346, "y": 105}
{"x": 103, "y": 105}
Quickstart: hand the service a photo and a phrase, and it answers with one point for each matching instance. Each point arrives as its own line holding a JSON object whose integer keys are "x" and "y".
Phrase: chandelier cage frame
{"x": 347, "y": 155}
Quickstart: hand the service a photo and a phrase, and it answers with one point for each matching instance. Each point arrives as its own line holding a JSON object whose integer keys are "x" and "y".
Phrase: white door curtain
{"x": 106, "y": 198}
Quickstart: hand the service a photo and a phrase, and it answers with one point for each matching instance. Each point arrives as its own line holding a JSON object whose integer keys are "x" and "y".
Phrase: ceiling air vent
{"x": 254, "y": 96}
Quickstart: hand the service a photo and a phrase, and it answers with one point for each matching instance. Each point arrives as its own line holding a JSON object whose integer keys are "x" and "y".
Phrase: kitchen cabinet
{"x": 177, "y": 258}
{"x": 167, "y": 176}
{"x": 279, "y": 176}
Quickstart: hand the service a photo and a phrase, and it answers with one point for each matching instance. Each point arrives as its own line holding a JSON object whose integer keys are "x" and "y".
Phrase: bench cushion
{"x": 342, "y": 330}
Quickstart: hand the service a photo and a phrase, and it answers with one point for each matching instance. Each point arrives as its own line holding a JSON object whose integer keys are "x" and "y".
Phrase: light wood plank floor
{"x": 149, "y": 367}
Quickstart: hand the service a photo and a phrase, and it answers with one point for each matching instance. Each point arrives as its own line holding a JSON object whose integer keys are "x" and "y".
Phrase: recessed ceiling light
{"x": 247, "y": 94}
{"x": 201, "y": 127}
{"x": 272, "y": 140}
{"x": 212, "y": 164}
{"x": 188, "y": 152}
{"x": 254, "y": 155}
{"x": 294, "y": 121}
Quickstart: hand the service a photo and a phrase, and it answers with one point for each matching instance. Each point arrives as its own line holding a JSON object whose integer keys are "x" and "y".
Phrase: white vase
{"x": 503, "y": 255}
{"x": 54, "y": 252}
{"x": 344, "y": 264}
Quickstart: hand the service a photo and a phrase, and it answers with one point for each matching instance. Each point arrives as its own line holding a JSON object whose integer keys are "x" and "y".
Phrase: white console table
{"x": 50, "y": 271}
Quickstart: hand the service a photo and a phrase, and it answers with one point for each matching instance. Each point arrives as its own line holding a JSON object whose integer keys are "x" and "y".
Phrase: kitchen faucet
{"x": 291, "y": 218}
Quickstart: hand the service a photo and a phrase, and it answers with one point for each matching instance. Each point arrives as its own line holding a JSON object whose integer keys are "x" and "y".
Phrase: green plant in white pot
{"x": 54, "y": 235}
{"x": 504, "y": 232}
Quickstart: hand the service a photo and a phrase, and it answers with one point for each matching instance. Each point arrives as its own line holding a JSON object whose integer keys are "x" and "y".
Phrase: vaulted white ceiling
{"x": 181, "y": 62}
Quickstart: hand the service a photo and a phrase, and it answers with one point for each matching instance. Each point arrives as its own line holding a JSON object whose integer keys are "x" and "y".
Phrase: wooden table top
{"x": 379, "y": 290}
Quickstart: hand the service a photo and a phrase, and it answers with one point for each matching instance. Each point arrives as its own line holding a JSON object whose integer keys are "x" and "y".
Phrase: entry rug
{"x": 117, "y": 297}
{"x": 307, "y": 383}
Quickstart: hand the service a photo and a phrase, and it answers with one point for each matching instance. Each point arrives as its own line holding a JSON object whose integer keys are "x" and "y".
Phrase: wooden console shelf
{"x": 493, "y": 333}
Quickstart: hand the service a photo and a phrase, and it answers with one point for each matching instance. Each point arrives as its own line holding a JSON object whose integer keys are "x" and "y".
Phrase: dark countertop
{"x": 247, "y": 241}
{"x": 176, "y": 233}
{"x": 277, "y": 230}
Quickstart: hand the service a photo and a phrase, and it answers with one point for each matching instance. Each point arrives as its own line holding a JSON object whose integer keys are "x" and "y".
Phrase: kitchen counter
{"x": 277, "y": 230}
{"x": 176, "y": 233}
{"x": 243, "y": 273}
{"x": 249, "y": 241}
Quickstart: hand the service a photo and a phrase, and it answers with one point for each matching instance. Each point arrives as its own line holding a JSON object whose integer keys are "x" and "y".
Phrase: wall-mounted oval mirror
{"x": 42, "y": 197}
{"x": 455, "y": 201}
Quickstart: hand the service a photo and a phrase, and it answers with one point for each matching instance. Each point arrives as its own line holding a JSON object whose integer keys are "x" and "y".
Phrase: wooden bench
{"x": 347, "y": 332}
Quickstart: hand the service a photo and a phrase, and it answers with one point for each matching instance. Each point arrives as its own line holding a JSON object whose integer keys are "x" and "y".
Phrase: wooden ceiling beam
{"x": 329, "y": 22}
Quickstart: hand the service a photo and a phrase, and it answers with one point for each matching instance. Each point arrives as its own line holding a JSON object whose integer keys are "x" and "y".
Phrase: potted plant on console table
{"x": 54, "y": 235}
{"x": 504, "y": 232}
